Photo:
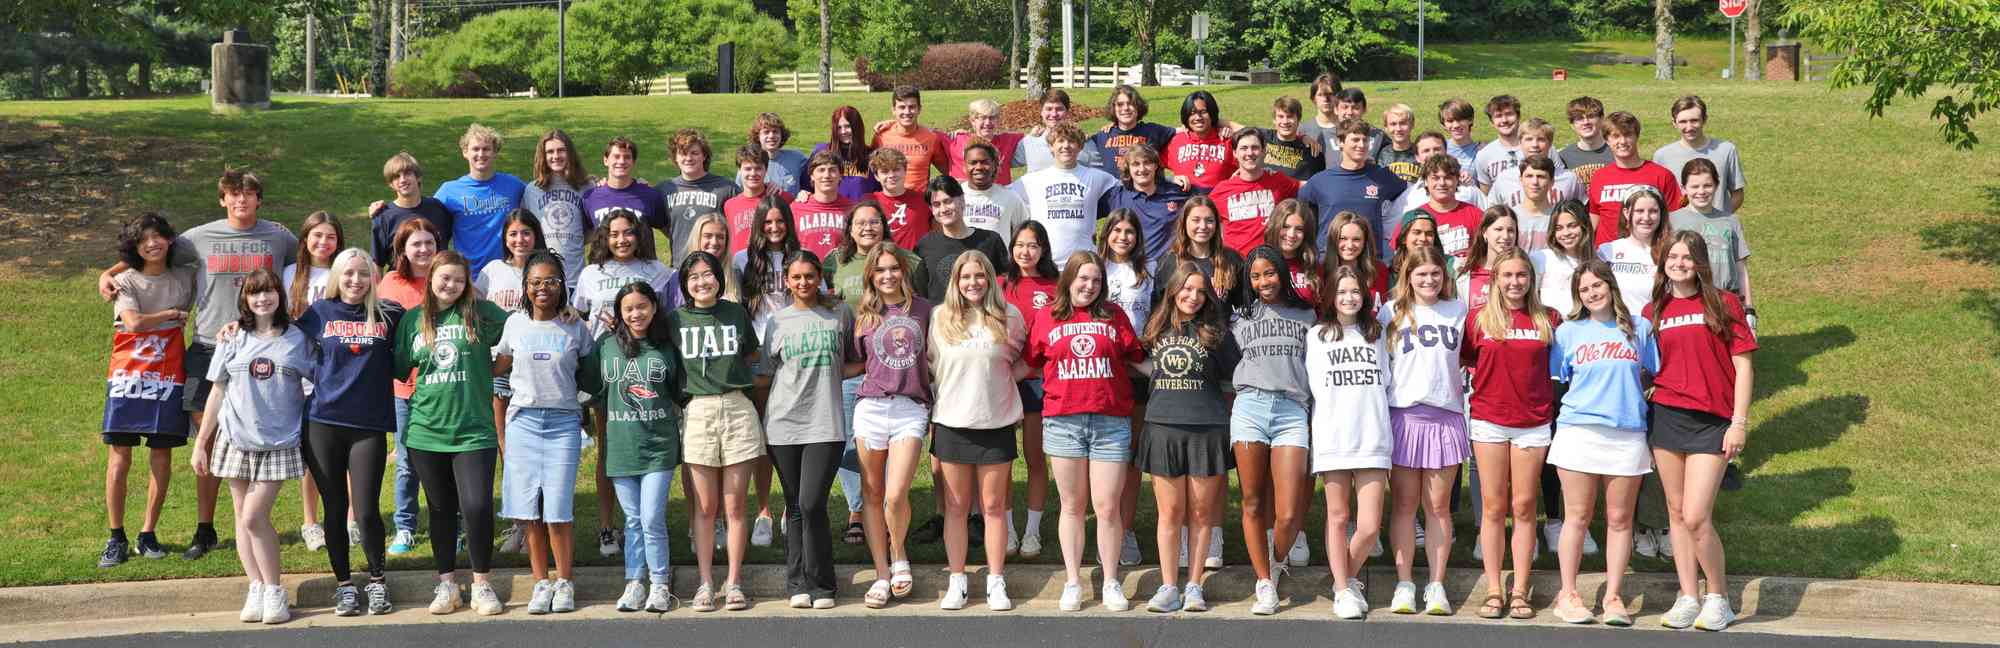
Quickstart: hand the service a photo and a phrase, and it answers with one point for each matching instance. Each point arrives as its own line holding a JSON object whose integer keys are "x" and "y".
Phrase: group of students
{"x": 1178, "y": 303}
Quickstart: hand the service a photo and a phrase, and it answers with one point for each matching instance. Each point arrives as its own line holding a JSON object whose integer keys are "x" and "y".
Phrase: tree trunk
{"x": 1014, "y": 45}
{"x": 82, "y": 87}
{"x": 1038, "y": 49}
{"x": 115, "y": 80}
{"x": 398, "y": 13}
{"x": 146, "y": 76}
{"x": 38, "y": 81}
{"x": 1753, "y": 45}
{"x": 378, "y": 47}
{"x": 1148, "y": 44}
{"x": 826, "y": 50}
{"x": 1663, "y": 40}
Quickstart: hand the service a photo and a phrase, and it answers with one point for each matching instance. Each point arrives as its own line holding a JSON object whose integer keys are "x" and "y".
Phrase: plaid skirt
{"x": 230, "y": 462}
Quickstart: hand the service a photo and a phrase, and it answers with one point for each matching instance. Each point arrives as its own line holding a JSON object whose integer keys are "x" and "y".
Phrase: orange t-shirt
{"x": 921, "y": 146}
{"x": 408, "y": 292}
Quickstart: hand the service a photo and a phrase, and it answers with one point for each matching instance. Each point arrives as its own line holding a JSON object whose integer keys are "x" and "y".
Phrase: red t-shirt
{"x": 1455, "y": 228}
{"x": 1205, "y": 161}
{"x": 1247, "y": 206}
{"x": 1030, "y": 295}
{"x": 1610, "y": 185}
{"x": 738, "y": 210}
{"x": 1006, "y": 143}
{"x": 909, "y": 217}
{"x": 1510, "y": 378}
{"x": 822, "y": 226}
{"x": 1084, "y": 362}
{"x": 922, "y": 148}
{"x": 1696, "y": 371}
{"x": 1476, "y": 282}
{"x": 1303, "y": 279}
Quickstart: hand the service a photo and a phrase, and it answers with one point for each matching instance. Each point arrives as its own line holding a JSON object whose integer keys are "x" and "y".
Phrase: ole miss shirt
{"x": 1247, "y": 206}
{"x": 821, "y": 226}
{"x": 1611, "y": 184}
{"x": 1084, "y": 362}
{"x": 1203, "y": 160}
{"x": 1696, "y": 371}
{"x": 1510, "y": 377}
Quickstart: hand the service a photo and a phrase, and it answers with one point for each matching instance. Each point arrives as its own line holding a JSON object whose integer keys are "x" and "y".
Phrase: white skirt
{"x": 1601, "y": 450}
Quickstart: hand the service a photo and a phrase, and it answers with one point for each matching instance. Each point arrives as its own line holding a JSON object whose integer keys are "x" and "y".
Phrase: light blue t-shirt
{"x": 479, "y": 209}
{"x": 1604, "y": 372}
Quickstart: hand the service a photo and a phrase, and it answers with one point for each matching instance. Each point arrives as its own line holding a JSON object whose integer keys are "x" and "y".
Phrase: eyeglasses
{"x": 545, "y": 283}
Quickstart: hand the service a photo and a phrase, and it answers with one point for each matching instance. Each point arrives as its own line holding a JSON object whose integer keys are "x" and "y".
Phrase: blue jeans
{"x": 850, "y": 480}
{"x": 644, "y": 499}
{"x": 405, "y": 518}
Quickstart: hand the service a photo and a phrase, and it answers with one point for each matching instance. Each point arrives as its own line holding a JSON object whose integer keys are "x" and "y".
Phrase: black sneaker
{"x": 115, "y": 551}
{"x": 149, "y": 547}
{"x": 200, "y": 546}
{"x": 932, "y": 530}
{"x": 346, "y": 601}
{"x": 1732, "y": 478}
{"x": 378, "y": 598}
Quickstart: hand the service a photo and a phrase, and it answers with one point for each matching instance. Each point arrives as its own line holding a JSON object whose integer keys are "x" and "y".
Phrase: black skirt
{"x": 972, "y": 445}
{"x": 1685, "y": 430}
{"x": 1185, "y": 450}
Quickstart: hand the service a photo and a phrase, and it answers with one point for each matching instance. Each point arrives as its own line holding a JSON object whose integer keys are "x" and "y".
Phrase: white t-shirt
{"x": 316, "y": 279}
{"x": 500, "y": 283}
{"x": 1553, "y": 271}
{"x": 1532, "y": 229}
{"x": 1066, "y": 202}
{"x": 546, "y": 354}
{"x": 1423, "y": 355}
{"x": 1350, "y": 390}
{"x": 1632, "y": 263}
{"x": 1494, "y": 159}
{"x": 1123, "y": 287}
{"x": 997, "y": 209}
{"x": 1507, "y": 188}
{"x": 597, "y": 287}
{"x": 975, "y": 376}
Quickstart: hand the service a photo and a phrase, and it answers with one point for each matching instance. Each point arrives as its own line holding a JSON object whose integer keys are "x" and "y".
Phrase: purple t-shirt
{"x": 641, "y": 198}
{"x": 894, "y": 353}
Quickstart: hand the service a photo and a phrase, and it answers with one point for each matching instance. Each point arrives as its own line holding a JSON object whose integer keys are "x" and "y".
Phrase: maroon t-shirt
{"x": 1610, "y": 185}
{"x": 1696, "y": 371}
{"x": 893, "y": 353}
{"x": 1510, "y": 377}
{"x": 822, "y": 226}
{"x": 1084, "y": 362}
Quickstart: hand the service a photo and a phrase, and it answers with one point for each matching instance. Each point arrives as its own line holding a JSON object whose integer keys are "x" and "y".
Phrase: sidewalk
{"x": 1873, "y": 609}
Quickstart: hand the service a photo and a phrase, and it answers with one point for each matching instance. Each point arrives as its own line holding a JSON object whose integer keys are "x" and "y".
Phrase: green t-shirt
{"x": 452, "y": 408}
{"x": 847, "y": 277}
{"x": 717, "y": 345}
{"x": 642, "y": 396}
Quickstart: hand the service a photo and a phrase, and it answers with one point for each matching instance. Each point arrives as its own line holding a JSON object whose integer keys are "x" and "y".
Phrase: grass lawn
{"x": 1706, "y": 59}
{"x": 1874, "y": 252}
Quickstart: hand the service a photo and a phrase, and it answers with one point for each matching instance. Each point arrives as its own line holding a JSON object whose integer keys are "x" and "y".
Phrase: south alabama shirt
{"x": 1084, "y": 362}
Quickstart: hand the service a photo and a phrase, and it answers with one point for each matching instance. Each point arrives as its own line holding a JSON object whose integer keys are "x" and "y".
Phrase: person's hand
{"x": 375, "y": 208}
{"x": 1225, "y": 131}
{"x": 1751, "y": 319}
{"x": 1185, "y": 182}
{"x": 198, "y": 460}
{"x": 227, "y": 334}
{"x": 1733, "y": 440}
{"x": 607, "y": 321}
{"x": 884, "y": 125}
{"x": 568, "y": 316}
{"x": 1105, "y": 128}
{"x": 106, "y": 288}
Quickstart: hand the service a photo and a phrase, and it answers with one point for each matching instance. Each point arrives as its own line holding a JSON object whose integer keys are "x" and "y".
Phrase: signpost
{"x": 1732, "y": 9}
{"x": 1198, "y": 32}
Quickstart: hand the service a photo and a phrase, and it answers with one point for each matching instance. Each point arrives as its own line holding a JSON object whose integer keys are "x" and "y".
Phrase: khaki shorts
{"x": 721, "y": 431}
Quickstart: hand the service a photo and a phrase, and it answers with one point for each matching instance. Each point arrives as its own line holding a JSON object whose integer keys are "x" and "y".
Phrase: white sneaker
{"x": 1301, "y": 553}
{"x": 404, "y": 540}
{"x": 1715, "y": 613}
{"x": 1405, "y": 599}
{"x": 1682, "y": 614}
{"x": 1031, "y": 545}
{"x": 485, "y": 601}
{"x": 1420, "y": 534}
{"x": 823, "y": 603}
{"x": 760, "y": 532}
{"x": 512, "y": 540}
{"x": 996, "y": 593}
{"x": 1552, "y": 533}
{"x": 1192, "y": 600}
{"x": 1644, "y": 544}
{"x": 660, "y": 598}
{"x": 609, "y": 543}
{"x": 801, "y": 601}
{"x": 1165, "y": 599}
{"x": 1072, "y": 597}
{"x": 633, "y": 598}
{"x": 1666, "y": 542}
{"x": 253, "y": 604}
{"x": 314, "y": 535}
{"x": 278, "y": 607}
{"x": 543, "y": 596}
{"x": 1014, "y": 541}
{"x": 444, "y": 597}
{"x": 1266, "y": 598}
{"x": 1214, "y": 548}
{"x": 1360, "y": 593}
{"x": 1346, "y": 605}
{"x": 954, "y": 593}
{"x": 353, "y": 533}
{"x": 1435, "y": 601}
{"x": 1589, "y": 544}
{"x": 1128, "y": 553}
{"x": 565, "y": 598}
{"x": 1113, "y": 595}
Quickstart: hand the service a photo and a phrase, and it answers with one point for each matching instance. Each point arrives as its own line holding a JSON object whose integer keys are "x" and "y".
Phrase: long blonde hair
{"x": 1494, "y": 318}
{"x": 349, "y": 256}
{"x": 868, "y": 313}
{"x": 955, "y": 313}
{"x": 1405, "y": 295}
{"x": 730, "y": 285}
{"x": 467, "y": 304}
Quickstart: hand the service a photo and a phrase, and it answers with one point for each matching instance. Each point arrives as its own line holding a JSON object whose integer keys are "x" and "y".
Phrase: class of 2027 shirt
{"x": 1190, "y": 379}
{"x": 1084, "y": 362}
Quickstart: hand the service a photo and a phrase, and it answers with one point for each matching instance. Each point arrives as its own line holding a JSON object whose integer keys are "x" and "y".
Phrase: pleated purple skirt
{"x": 1428, "y": 437}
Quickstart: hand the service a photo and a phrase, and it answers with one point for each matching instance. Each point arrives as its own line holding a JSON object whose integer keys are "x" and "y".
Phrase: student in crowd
{"x": 846, "y": 268}
{"x": 1510, "y": 189}
{"x": 1728, "y": 251}
{"x": 953, "y": 234}
{"x": 1352, "y": 183}
{"x": 448, "y": 340}
{"x": 1030, "y": 287}
{"x": 1352, "y": 103}
{"x": 1690, "y": 117}
{"x": 751, "y": 165}
{"x": 1147, "y": 194}
{"x": 893, "y": 414}
{"x": 1569, "y": 247}
{"x": 1399, "y": 153}
{"x": 906, "y": 212}
{"x": 320, "y": 237}
{"x": 984, "y": 117}
{"x": 143, "y": 394}
{"x": 416, "y": 249}
{"x": 922, "y": 147}
{"x": 1492, "y": 241}
{"x": 1504, "y": 152}
{"x": 555, "y": 198}
{"x": 1191, "y": 357}
{"x": 1627, "y": 173}
{"x": 500, "y": 281}
{"x": 1127, "y": 129}
{"x": 637, "y": 372}
{"x": 249, "y": 432}
{"x": 1635, "y": 255}
{"x": 1606, "y": 355}
{"x": 1347, "y": 360}
{"x": 1269, "y": 424}
{"x": 1704, "y": 380}
{"x": 541, "y": 349}
{"x": 784, "y": 168}
{"x": 480, "y": 199}
{"x": 761, "y": 266}
{"x": 808, "y": 355}
{"x": 1249, "y": 196}
{"x": 1457, "y": 221}
{"x": 1589, "y": 152}
{"x": 723, "y": 436}
{"x": 1325, "y": 119}
{"x": 987, "y": 206}
{"x": 694, "y": 193}
{"x": 974, "y": 348}
{"x": 817, "y": 216}
{"x": 406, "y": 178}
{"x": 1034, "y": 151}
{"x": 1066, "y": 198}
{"x": 1288, "y": 150}
{"x": 1429, "y": 145}
{"x": 1506, "y": 346}
{"x": 1419, "y": 231}
{"x": 1198, "y": 240}
{"x": 1425, "y": 324}
{"x": 621, "y": 252}
{"x": 1455, "y": 117}
{"x": 712, "y": 235}
{"x": 1198, "y": 156}
{"x": 1128, "y": 284}
{"x": 1291, "y": 232}
{"x": 1538, "y": 200}
{"x": 1353, "y": 246}
{"x": 848, "y": 143}
{"x": 621, "y": 189}
{"x": 224, "y": 252}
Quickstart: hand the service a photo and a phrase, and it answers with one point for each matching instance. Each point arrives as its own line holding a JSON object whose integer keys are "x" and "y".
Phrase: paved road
{"x": 992, "y": 630}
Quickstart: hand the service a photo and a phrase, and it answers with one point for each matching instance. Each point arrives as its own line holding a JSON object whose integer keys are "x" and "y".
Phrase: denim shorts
{"x": 1270, "y": 418}
{"x": 538, "y": 481}
{"x": 1096, "y": 437}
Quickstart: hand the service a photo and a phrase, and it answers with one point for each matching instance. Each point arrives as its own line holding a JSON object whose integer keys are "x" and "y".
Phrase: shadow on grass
{"x": 1780, "y": 358}
{"x": 1814, "y": 424}
{"x": 1975, "y": 241}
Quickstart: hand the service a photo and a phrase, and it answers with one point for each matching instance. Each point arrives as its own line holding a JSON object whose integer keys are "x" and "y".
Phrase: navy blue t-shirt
{"x": 391, "y": 216}
{"x": 1156, "y": 213}
{"x": 351, "y": 387}
{"x": 1364, "y": 192}
{"x": 1111, "y": 144}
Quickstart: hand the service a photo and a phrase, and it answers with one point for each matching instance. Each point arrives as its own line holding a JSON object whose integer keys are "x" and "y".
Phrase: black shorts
{"x": 1031, "y": 396}
{"x": 973, "y": 446}
{"x": 1142, "y": 389}
{"x": 1185, "y": 451}
{"x": 194, "y": 395}
{"x": 1685, "y": 430}
{"x": 133, "y": 440}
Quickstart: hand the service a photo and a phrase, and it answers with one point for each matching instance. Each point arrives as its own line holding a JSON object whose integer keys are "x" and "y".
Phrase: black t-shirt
{"x": 1402, "y": 163}
{"x": 1188, "y": 378}
{"x": 940, "y": 252}
{"x": 391, "y": 216}
{"x": 1294, "y": 158}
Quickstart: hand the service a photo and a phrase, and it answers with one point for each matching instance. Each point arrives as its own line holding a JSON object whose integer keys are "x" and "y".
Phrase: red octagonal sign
{"x": 1732, "y": 8}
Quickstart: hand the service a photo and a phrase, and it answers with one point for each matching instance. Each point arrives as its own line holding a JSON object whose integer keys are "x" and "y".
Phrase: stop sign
{"x": 1732, "y": 8}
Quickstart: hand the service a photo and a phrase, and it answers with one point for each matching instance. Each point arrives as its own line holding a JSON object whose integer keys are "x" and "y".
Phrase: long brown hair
{"x": 1602, "y": 270}
{"x": 466, "y": 304}
{"x": 261, "y": 280}
{"x": 869, "y": 312}
{"x": 1064, "y": 308}
{"x": 853, "y": 155}
{"x": 572, "y": 173}
{"x": 1219, "y": 255}
{"x": 1141, "y": 266}
{"x": 1714, "y": 313}
{"x": 1475, "y": 256}
{"x": 1207, "y": 321}
{"x": 403, "y": 233}
{"x": 1308, "y": 246}
{"x": 1363, "y": 266}
{"x": 296, "y": 302}
{"x": 1329, "y": 318}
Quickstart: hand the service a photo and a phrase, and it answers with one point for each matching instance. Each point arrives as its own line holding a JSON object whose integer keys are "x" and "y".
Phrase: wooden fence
{"x": 1099, "y": 76}
{"x": 797, "y": 82}
{"x": 668, "y": 85}
{"x": 1818, "y": 66}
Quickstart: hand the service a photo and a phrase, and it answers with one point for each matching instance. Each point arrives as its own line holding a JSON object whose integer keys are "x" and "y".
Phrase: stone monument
{"x": 239, "y": 74}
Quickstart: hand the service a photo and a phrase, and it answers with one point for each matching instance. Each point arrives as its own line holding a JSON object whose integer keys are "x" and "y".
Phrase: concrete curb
{"x": 1648, "y": 594}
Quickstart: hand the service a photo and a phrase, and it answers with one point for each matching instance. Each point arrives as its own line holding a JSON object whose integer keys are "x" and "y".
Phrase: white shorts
{"x": 1602, "y": 450}
{"x": 1521, "y": 437}
{"x": 879, "y": 422}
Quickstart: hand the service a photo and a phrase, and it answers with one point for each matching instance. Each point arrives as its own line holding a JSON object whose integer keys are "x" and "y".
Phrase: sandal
{"x": 1519, "y": 607}
{"x": 877, "y": 596}
{"x": 1494, "y": 607}
{"x": 704, "y": 599}
{"x": 900, "y": 581}
{"x": 734, "y": 599}
{"x": 855, "y": 534}
{"x": 1615, "y": 614}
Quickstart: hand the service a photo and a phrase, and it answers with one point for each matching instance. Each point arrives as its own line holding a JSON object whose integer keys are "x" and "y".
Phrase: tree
{"x": 825, "y": 49}
{"x": 1038, "y": 49}
{"x": 888, "y": 36}
{"x": 378, "y": 47}
{"x": 1014, "y": 44}
{"x": 1902, "y": 49}
{"x": 1753, "y": 45}
{"x": 1305, "y": 36}
{"x": 1143, "y": 19}
{"x": 1663, "y": 40}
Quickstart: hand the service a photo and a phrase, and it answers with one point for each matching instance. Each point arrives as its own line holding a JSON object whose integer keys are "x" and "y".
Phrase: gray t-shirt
{"x": 1724, "y": 233}
{"x": 546, "y": 354}
{"x": 263, "y": 380}
{"x": 560, "y": 209}
{"x": 138, "y": 291}
{"x": 689, "y": 200}
{"x": 222, "y": 256}
{"x": 1273, "y": 341}
{"x": 806, "y": 356}
{"x": 1676, "y": 154}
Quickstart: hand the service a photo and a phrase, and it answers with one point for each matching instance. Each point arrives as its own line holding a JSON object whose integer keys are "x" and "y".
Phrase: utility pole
{"x": 310, "y": 85}
{"x": 1420, "y": 39}
{"x": 562, "y": 46}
